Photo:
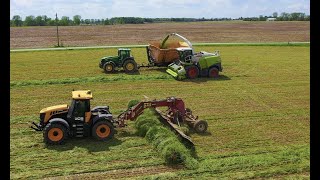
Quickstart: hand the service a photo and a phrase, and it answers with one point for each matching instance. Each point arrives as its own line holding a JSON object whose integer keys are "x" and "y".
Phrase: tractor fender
{"x": 126, "y": 59}
{"x": 60, "y": 120}
{"x": 102, "y": 117}
{"x": 218, "y": 66}
{"x": 110, "y": 62}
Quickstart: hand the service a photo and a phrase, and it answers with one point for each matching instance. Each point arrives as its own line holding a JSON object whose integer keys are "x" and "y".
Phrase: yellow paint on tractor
{"x": 82, "y": 94}
{"x": 52, "y": 110}
{"x": 87, "y": 117}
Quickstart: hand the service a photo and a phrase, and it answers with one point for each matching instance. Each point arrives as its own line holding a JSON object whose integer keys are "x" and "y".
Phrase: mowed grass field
{"x": 258, "y": 114}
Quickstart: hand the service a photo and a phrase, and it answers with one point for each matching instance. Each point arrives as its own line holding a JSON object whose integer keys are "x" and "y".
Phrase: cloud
{"x": 97, "y": 9}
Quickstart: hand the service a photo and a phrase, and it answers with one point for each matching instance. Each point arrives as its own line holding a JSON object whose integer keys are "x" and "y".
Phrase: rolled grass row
{"x": 163, "y": 139}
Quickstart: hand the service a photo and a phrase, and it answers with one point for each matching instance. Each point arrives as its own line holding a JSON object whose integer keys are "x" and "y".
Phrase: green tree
{"x": 17, "y": 21}
{"x": 65, "y": 21}
{"x": 39, "y": 21}
{"x": 77, "y": 19}
{"x": 29, "y": 21}
{"x": 275, "y": 14}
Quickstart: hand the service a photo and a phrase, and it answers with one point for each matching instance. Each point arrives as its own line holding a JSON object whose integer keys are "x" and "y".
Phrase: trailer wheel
{"x": 130, "y": 66}
{"x": 200, "y": 126}
{"x": 213, "y": 72}
{"x": 192, "y": 71}
{"x": 54, "y": 133}
{"x": 108, "y": 67}
{"x": 103, "y": 130}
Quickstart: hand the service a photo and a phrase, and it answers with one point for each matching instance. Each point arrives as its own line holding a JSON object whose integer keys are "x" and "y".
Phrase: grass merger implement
{"x": 77, "y": 120}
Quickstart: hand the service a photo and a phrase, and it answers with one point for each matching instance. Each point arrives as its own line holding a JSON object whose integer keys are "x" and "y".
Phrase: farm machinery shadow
{"x": 205, "y": 79}
{"x": 122, "y": 72}
{"x": 90, "y": 143}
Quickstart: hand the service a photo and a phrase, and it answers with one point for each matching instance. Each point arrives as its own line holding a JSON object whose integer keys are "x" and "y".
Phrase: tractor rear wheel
{"x": 213, "y": 72}
{"x": 103, "y": 130}
{"x": 192, "y": 71}
{"x": 54, "y": 133}
{"x": 108, "y": 68}
{"x": 200, "y": 126}
{"x": 130, "y": 66}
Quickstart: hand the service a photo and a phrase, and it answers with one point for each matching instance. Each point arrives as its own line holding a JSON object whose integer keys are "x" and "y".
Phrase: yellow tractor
{"x": 77, "y": 120}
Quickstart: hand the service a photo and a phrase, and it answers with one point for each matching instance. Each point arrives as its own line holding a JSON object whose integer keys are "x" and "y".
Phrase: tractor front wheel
{"x": 213, "y": 72}
{"x": 200, "y": 126}
{"x": 54, "y": 133}
{"x": 103, "y": 130}
{"x": 192, "y": 71}
{"x": 108, "y": 68}
{"x": 130, "y": 66}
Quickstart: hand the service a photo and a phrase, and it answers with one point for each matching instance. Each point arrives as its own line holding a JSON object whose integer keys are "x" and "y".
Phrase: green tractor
{"x": 192, "y": 65}
{"x": 124, "y": 60}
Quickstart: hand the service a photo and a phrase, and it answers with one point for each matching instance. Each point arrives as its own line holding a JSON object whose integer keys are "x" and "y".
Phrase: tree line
{"x": 295, "y": 16}
{"x": 77, "y": 20}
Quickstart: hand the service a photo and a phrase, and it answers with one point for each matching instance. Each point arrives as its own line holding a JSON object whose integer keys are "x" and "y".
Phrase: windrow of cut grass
{"x": 104, "y": 79}
{"x": 164, "y": 140}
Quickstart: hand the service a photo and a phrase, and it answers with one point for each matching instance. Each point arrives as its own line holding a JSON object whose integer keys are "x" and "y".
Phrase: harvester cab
{"x": 77, "y": 120}
{"x": 124, "y": 60}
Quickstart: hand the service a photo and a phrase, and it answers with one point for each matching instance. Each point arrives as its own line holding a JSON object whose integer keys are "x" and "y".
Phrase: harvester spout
{"x": 176, "y": 34}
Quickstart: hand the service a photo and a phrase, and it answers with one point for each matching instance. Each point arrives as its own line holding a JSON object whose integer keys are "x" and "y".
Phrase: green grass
{"x": 258, "y": 114}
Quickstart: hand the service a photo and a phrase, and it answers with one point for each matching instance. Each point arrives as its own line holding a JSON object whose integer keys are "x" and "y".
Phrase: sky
{"x": 101, "y": 9}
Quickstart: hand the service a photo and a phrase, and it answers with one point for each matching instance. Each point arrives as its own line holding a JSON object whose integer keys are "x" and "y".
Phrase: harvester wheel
{"x": 108, "y": 68}
{"x": 200, "y": 126}
{"x": 213, "y": 72}
{"x": 54, "y": 133}
{"x": 103, "y": 130}
{"x": 192, "y": 71}
{"x": 130, "y": 66}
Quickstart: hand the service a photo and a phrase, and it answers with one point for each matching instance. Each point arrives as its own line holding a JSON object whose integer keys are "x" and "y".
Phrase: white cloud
{"x": 97, "y": 9}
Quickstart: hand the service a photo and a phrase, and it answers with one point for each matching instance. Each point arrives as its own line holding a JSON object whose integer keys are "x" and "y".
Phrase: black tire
{"x": 108, "y": 67}
{"x": 54, "y": 133}
{"x": 103, "y": 130}
{"x": 192, "y": 71}
{"x": 200, "y": 126}
{"x": 130, "y": 66}
{"x": 213, "y": 72}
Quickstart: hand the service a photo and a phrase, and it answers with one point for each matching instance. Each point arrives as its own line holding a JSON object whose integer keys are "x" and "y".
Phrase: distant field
{"x": 235, "y": 31}
{"x": 258, "y": 111}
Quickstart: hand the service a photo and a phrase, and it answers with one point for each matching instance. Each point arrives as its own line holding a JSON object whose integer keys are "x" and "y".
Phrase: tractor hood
{"x": 109, "y": 58}
{"x": 54, "y": 108}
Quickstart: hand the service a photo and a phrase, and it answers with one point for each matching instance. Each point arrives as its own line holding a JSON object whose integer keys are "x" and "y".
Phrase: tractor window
{"x": 123, "y": 54}
{"x": 80, "y": 108}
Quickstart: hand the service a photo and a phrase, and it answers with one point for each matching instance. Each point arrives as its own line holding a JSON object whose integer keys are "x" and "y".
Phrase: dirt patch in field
{"x": 238, "y": 31}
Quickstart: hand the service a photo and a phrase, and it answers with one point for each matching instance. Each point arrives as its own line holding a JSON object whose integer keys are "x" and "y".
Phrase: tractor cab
{"x": 185, "y": 54}
{"x": 123, "y": 53}
{"x": 79, "y": 109}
